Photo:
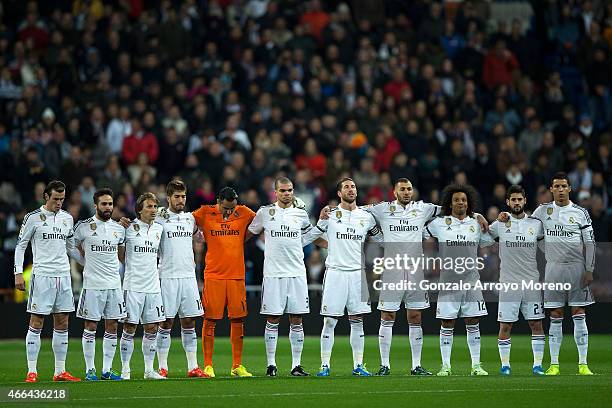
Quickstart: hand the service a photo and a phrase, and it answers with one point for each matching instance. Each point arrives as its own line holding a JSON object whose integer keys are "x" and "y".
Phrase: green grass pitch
{"x": 399, "y": 389}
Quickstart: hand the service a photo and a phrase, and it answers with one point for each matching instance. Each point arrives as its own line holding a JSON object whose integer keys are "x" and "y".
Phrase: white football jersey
{"x": 286, "y": 230}
{"x": 100, "y": 241}
{"x": 346, "y": 232}
{"x": 458, "y": 239}
{"x": 518, "y": 247}
{"x": 141, "y": 247}
{"x": 52, "y": 240}
{"x": 567, "y": 230}
{"x": 176, "y": 258}
{"x": 403, "y": 225}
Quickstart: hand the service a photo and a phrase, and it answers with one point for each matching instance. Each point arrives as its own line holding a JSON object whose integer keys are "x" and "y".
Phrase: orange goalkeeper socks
{"x": 236, "y": 337}
{"x": 208, "y": 340}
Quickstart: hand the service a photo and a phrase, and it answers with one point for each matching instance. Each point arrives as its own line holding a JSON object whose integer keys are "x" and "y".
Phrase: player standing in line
{"x": 103, "y": 242}
{"x": 567, "y": 233}
{"x": 179, "y": 286}
{"x": 402, "y": 223}
{"x": 141, "y": 285}
{"x": 50, "y": 230}
{"x": 225, "y": 228}
{"x": 344, "y": 285}
{"x": 459, "y": 236}
{"x": 518, "y": 246}
{"x": 284, "y": 288}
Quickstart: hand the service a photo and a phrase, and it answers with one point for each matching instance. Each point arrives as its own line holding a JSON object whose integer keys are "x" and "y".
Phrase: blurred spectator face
{"x": 461, "y": 178}
{"x": 492, "y": 213}
{"x": 87, "y": 182}
{"x": 499, "y": 191}
{"x": 598, "y": 179}
{"x": 548, "y": 141}
{"x": 310, "y": 147}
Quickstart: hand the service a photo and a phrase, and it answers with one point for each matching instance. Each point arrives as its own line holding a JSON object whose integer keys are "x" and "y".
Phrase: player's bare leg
{"x": 385, "y": 336}
{"x": 447, "y": 328}
{"x": 504, "y": 344}
{"x": 33, "y": 345}
{"x": 327, "y": 344}
{"x": 581, "y": 337}
{"x": 473, "y": 339}
{"x": 60, "y": 347}
{"x": 415, "y": 333}
{"x": 296, "y": 339}
{"x": 270, "y": 340}
{"x": 357, "y": 339}
{"x": 163, "y": 345}
{"x": 555, "y": 338}
{"x": 538, "y": 343}
{"x": 237, "y": 340}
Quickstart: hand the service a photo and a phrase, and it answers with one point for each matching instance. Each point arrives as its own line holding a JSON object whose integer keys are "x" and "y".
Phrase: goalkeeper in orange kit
{"x": 225, "y": 228}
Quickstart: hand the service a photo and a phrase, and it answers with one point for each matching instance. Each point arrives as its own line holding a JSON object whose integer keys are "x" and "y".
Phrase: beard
{"x": 516, "y": 210}
{"x": 349, "y": 200}
{"x": 104, "y": 215}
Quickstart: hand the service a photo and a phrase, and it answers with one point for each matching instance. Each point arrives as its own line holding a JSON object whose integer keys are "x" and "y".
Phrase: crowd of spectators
{"x": 129, "y": 93}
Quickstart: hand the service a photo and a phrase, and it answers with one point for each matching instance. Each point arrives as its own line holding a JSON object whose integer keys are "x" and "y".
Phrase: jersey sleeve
{"x": 122, "y": 232}
{"x": 494, "y": 229}
{"x": 257, "y": 225}
{"x": 431, "y": 230}
{"x": 376, "y": 210}
{"x": 25, "y": 235}
{"x": 588, "y": 238}
{"x": 432, "y": 210}
{"x": 199, "y": 216}
{"x": 77, "y": 233}
{"x": 539, "y": 213}
{"x": 71, "y": 248}
{"x": 374, "y": 231}
{"x": 486, "y": 239}
{"x": 309, "y": 233}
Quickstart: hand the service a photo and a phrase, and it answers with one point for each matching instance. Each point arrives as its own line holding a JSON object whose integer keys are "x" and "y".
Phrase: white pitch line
{"x": 295, "y": 394}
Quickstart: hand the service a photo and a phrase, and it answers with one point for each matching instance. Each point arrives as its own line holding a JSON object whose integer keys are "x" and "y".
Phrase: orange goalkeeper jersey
{"x": 224, "y": 240}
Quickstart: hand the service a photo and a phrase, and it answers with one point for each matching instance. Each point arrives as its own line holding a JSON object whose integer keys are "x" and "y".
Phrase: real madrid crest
{"x": 43, "y": 217}
{"x": 361, "y": 223}
{"x": 414, "y": 213}
{"x": 93, "y": 226}
{"x": 65, "y": 223}
{"x": 530, "y": 230}
{"x": 472, "y": 229}
{"x": 157, "y": 236}
{"x": 571, "y": 220}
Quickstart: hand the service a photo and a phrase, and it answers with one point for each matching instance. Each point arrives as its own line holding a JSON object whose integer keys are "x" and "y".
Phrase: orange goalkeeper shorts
{"x": 219, "y": 293}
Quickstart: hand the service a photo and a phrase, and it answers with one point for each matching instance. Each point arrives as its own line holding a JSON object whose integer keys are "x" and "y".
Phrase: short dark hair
{"x": 99, "y": 193}
{"x": 560, "y": 175}
{"x": 281, "y": 180}
{"x": 515, "y": 189}
{"x": 401, "y": 180}
{"x": 176, "y": 184}
{"x": 227, "y": 194}
{"x": 56, "y": 186}
{"x": 451, "y": 189}
{"x": 141, "y": 199}
{"x": 341, "y": 181}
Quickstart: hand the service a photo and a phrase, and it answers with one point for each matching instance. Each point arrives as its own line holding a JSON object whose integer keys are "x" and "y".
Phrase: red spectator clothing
{"x": 37, "y": 32}
{"x": 317, "y": 20}
{"x": 395, "y": 89}
{"x": 134, "y": 145}
{"x": 317, "y": 164}
{"x": 384, "y": 157}
{"x": 378, "y": 194}
{"x": 497, "y": 70}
